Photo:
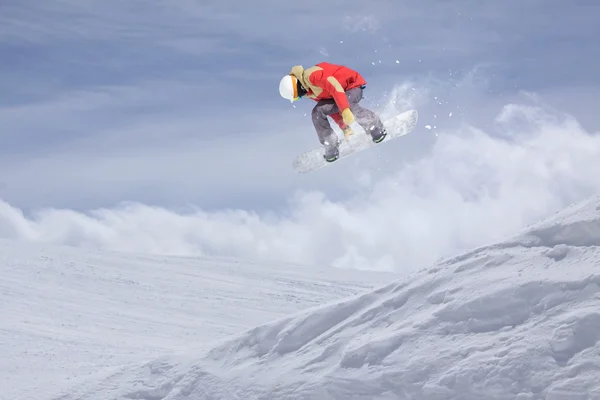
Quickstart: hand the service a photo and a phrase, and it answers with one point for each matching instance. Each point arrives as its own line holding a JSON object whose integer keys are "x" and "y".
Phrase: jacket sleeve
{"x": 337, "y": 118}
{"x": 332, "y": 86}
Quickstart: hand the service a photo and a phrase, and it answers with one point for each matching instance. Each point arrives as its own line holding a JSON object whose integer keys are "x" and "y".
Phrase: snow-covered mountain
{"x": 515, "y": 320}
{"x": 68, "y": 314}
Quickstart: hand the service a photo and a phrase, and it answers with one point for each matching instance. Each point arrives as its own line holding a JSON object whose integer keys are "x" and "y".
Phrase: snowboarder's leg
{"x": 366, "y": 118}
{"x": 327, "y": 136}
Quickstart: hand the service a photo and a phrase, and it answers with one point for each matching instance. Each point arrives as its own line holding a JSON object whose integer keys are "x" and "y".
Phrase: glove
{"x": 348, "y": 116}
{"x": 348, "y": 132}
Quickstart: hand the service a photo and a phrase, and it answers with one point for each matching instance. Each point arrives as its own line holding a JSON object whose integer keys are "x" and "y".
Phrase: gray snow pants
{"x": 366, "y": 118}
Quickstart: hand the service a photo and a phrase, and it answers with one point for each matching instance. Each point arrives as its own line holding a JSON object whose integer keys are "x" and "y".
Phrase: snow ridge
{"x": 515, "y": 320}
{"x": 70, "y": 314}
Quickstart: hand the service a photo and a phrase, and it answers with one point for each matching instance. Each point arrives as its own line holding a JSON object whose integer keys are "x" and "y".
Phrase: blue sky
{"x": 175, "y": 104}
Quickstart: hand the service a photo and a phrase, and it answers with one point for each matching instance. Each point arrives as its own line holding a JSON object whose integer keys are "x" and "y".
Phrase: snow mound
{"x": 68, "y": 313}
{"x": 515, "y": 320}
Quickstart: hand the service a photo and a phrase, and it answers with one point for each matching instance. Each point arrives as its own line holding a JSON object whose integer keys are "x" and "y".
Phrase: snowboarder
{"x": 337, "y": 90}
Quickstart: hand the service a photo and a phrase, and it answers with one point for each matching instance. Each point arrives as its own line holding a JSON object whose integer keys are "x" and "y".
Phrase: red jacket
{"x": 329, "y": 81}
{"x": 328, "y": 76}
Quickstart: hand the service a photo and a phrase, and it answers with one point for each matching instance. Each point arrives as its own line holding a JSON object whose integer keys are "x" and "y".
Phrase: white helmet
{"x": 288, "y": 88}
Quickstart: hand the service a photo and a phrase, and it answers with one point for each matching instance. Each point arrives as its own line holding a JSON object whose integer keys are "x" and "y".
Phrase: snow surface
{"x": 67, "y": 314}
{"x": 515, "y": 320}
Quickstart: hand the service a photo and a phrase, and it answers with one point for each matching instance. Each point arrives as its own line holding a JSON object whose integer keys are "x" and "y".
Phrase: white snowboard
{"x": 397, "y": 126}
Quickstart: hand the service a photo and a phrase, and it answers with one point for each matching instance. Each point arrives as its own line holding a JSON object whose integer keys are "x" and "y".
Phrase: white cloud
{"x": 535, "y": 161}
{"x": 173, "y": 104}
{"x": 357, "y": 23}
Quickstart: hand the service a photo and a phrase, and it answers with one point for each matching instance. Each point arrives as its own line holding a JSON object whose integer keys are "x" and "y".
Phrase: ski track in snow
{"x": 69, "y": 314}
{"x": 515, "y": 320}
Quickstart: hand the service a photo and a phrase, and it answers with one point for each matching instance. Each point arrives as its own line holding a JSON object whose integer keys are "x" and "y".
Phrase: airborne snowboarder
{"x": 337, "y": 90}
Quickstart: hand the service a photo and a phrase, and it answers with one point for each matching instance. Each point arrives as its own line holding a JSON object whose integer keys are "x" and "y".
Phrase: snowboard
{"x": 397, "y": 126}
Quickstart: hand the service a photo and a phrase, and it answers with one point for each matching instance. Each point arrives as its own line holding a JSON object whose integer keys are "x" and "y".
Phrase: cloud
{"x": 109, "y": 101}
{"x": 361, "y": 23}
{"x": 170, "y": 107}
{"x": 531, "y": 161}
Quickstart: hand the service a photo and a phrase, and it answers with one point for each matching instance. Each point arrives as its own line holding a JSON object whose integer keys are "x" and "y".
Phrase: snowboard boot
{"x": 332, "y": 151}
{"x": 378, "y": 137}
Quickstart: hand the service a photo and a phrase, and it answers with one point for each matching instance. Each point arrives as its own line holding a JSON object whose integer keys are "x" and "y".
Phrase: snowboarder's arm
{"x": 337, "y": 117}
{"x": 332, "y": 86}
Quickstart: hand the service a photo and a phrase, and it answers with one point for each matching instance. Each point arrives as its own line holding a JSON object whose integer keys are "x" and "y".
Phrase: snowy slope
{"x": 516, "y": 320}
{"x": 67, "y": 313}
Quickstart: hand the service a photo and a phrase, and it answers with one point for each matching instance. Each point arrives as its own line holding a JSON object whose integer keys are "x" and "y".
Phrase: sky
{"x": 154, "y": 126}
